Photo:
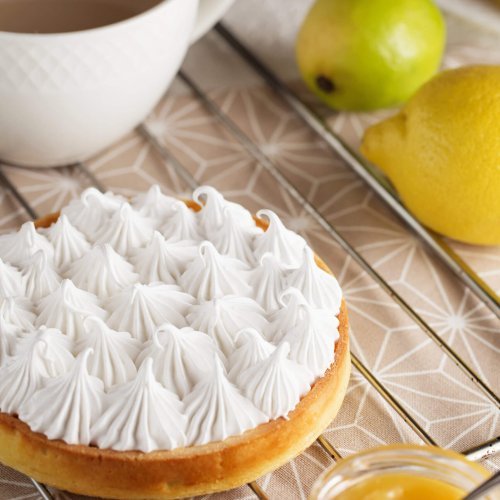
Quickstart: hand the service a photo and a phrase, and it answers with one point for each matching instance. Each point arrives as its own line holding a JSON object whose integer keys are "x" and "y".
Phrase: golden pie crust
{"x": 182, "y": 472}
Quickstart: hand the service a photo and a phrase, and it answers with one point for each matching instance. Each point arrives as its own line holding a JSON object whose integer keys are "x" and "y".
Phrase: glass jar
{"x": 401, "y": 472}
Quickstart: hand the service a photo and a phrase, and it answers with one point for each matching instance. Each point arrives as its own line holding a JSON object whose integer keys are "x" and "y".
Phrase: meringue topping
{"x": 17, "y": 311}
{"x": 66, "y": 308}
{"x": 319, "y": 288}
{"x": 216, "y": 409}
{"x": 67, "y": 405}
{"x": 276, "y": 384}
{"x": 11, "y": 281}
{"x": 235, "y": 239}
{"x": 153, "y": 203}
{"x": 181, "y": 224}
{"x": 140, "y": 309}
{"x": 155, "y": 316}
{"x": 126, "y": 230}
{"x": 111, "y": 202}
{"x": 268, "y": 281}
{"x": 140, "y": 415}
{"x": 102, "y": 271}
{"x": 56, "y": 357}
{"x": 251, "y": 347}
{"x": 163, "y": 260}
{"x": 112, "y": 353}
{"x": 16, "y": 248}
{"x": 181, "y": 357}
{"x": 25, "y": 372}
{"x": 213, "y": 204}
{"x": 19, "y": 378}
{"x": 8, "y": 335}
{"x": 223, "y": 318}
{"x": 212, "y": 275}
{"x": 68, "y": 242}
{"x": 88, "y": 213}
{"x": 40, "y": 278}
{"x": 284, "y": 244}
{"x": 312, "y": 340}
{"x": 287, "y": 316}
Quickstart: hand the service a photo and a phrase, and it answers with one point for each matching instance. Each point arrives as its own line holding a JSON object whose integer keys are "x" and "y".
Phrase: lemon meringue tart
{"x": 155, "y": 348}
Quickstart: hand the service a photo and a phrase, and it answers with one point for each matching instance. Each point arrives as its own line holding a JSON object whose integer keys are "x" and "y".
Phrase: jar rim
{"x": 389, "y": 458}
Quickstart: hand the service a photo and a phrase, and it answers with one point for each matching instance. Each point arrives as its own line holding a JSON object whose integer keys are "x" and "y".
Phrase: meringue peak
{"x": 16, "y": 248}
{"x": 181, "y": 224}
{"x": 213, "y": 204}
{"x": 223, "y": 318}
{"x": 54, "y": 347}
{"x": 67, "y": 405}
{"x": 41, "y": 356}
{"x": 276, "y": 384}
{"x": 251, "y": 347}
{"x": 234, "y": 238}
{"x": 19, "y": 378}
{"x": 217, "y": 409}
{"x": 212, "y": 275}
{"x": 319, "y": 288}
{"x": 102, "y": 271}
{"x": 163, "y": 260}
{"x": 313, "y": 339}
{"x": 68, "y": 242}
{"x": 287, "y": 316}
{"x": 268, "y": 281}
{"x": 17, "y": 311}
{"x": 284, "y": 244}
{"x": 181, "y": 357}
{"x": 153, "y": 203}
{"x": 11, "y": 281}
{"x": 126, "y": 230}
{"x": 113, "y": 353}
{"x": 66, "y": 308}
{"x": 40, "y": 278}
{"x": 140, "y": 309}
{"x": 141, "y": 415}
{"x": 87, "y": 213}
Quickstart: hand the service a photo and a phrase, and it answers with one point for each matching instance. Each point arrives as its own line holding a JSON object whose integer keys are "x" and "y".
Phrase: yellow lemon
{"x": 442, "y": 153}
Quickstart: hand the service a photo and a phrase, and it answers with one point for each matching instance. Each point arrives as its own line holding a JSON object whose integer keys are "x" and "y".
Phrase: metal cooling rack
{"x": 439, "y": 247}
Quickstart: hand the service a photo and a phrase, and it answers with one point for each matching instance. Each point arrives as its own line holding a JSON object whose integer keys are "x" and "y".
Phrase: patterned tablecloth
{"x": 439, "y": 396}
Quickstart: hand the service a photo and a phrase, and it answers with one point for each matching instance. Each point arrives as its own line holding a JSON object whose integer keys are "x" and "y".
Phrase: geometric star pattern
{"x": 444, "y": 402}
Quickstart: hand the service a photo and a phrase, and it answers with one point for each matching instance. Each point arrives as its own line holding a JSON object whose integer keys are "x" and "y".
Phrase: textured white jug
{"x": 66, "y": 96}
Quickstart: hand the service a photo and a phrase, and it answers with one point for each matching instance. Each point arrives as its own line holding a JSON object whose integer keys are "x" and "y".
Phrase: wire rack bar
{"x": 484, "y": 450}
{"x": 166, "y": 156}
{"x": 329, "y": 448}
{"x": 259, "y": 492}
{"x": 17, "y": 195}
{"x": 269, "y": 165}
{"x": 366, "y": 171}
{"x": 90, "y": 176}
{"x": 42, "y": 489}
{"x": 358, "y": 364}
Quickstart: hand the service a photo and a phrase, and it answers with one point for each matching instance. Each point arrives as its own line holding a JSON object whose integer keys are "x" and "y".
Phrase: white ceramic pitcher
{"x": 66, "y": 96}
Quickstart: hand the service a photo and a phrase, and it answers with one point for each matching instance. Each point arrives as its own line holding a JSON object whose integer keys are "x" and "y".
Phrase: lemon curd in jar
{"x": 400, "y": 472}
{"x": 401, "y": 487}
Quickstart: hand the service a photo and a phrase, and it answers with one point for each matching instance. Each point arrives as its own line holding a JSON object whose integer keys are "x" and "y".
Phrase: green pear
{"x": 369, "y": 54}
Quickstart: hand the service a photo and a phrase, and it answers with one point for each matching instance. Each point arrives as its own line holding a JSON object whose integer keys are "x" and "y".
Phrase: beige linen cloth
{"x": 433, "y": 390}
